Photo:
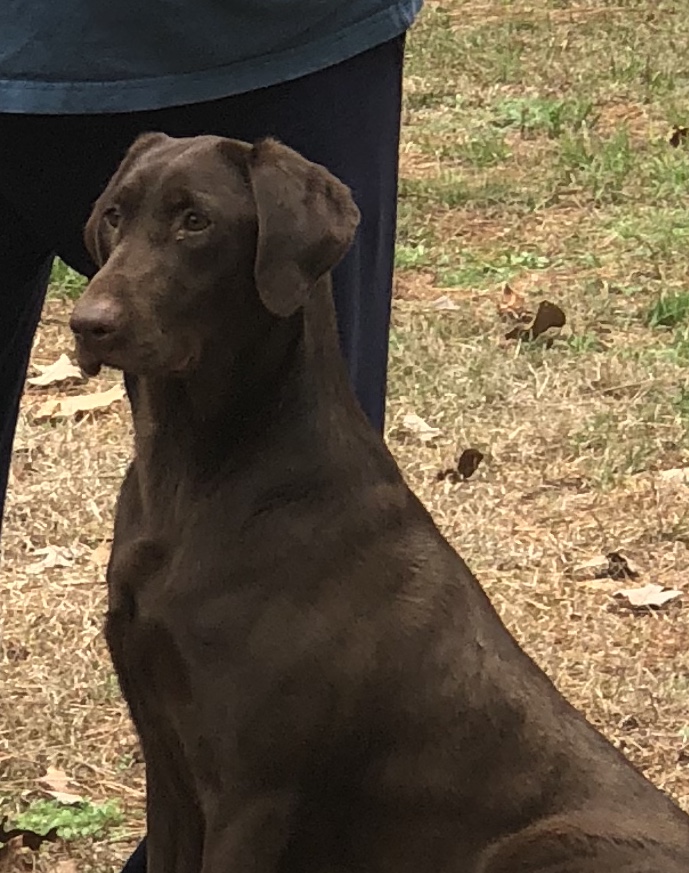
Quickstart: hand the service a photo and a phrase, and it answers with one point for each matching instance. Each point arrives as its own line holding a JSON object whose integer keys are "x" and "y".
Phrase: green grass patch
{"x": 472, "y": 270}
{"x": 65, "y": 282}
{"x": 669, "y": 310}
{"x": 601, "y": 167}
{"x": 547, "y": 115}
{"x": 72, "y": 822}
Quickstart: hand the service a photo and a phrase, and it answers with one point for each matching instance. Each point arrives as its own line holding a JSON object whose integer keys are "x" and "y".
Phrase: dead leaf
{"x": 448, "y": 473}
{"x": 53, "y": 556}
{"x": 15, "y": 652}
{"x": 512, "y": 305}
{"x": 618, "y": 567}
{"x": 548, "y": 315}
{"x": 678, "y": 136}
{"x": 613, "y": 566}
{"x": 414, "y": 424}
{"x": 29, "y": 839}
{"x": 55, "y": 783}
{"x": 444, "y": 302}
{"x": 468, "y": 462}
{"x": 650, "y": 596}
{"x": 63, "y": 370}
{"x": 68, "y": 406}
{"x": 591, "y": 568}
{"x": 466, "y": 466}
{"x": 100, "y": 555}
{"x": 66, "y": 865}
{"x": 680, "y": 475}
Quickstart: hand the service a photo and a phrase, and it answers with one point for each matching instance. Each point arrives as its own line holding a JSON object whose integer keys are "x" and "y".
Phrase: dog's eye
{"x": 112, "y": 216}
{"x": 194, "y": 221}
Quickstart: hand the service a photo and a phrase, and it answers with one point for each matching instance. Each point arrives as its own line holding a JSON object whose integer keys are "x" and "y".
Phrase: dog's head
{"x": 203, "y": 238}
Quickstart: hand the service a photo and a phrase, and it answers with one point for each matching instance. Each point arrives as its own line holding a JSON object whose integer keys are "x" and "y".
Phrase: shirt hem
{"x": 29, "y": 97}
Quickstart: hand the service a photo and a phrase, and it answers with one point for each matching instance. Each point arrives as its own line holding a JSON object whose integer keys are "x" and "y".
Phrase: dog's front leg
{"x": 252, "y": 839}
{"x": 174, "y": 824}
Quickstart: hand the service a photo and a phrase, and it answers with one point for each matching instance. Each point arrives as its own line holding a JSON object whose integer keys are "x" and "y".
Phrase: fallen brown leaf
{"x": 468, "y": 462}
{"x": 613, "y": 566}
{"x": 68, "y": 406}
{"x": 618, "y": 567}
{"x": 56, "y": 783}
{"x": 466, "y": 466}
{"x": 101, "y": 554}
{"x": 63, "y": 370}
{"x": 15, "y": 652}
{"x": 678, "y": 136}
{"x": 512, "y": 305}
{"x": 548, "y": 315}
{"x": 450, "y": 473}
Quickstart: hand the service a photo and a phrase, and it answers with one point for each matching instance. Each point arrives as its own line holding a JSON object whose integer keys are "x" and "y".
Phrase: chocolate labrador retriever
{"x": 319, "y": 682}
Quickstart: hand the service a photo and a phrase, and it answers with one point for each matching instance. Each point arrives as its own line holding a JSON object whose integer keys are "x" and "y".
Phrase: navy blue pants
{"x": 52, "y": 169}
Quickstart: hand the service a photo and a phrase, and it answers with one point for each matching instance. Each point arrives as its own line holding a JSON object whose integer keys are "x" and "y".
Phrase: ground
{"x": 537, "y": 151}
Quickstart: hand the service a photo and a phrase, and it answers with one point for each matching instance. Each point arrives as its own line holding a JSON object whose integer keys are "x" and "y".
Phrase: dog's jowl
{"x": 319, "y": 682}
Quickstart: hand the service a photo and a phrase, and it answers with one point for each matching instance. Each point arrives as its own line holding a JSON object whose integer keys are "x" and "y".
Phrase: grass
{"x": 74, "y": 821}
{"x": 535, "y": 151}
{"x": 535, "y": 115}
{"x": 670, "y": 310}
{"x": 65, "y": 282}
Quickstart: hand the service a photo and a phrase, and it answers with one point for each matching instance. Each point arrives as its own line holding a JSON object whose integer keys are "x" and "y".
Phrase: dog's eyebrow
{"x": 127, "y": 194}
{"x": 182, "y": 197}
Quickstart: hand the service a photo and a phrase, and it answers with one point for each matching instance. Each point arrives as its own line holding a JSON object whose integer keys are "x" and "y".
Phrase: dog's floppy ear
{"x": 92, "y": 232}
{"x": 306, "y": 222}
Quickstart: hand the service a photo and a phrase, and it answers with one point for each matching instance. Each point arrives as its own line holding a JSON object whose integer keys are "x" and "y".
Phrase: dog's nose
{"x": 95, "y": 319}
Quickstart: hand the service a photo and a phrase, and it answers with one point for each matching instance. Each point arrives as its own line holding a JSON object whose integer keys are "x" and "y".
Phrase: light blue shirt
{"x": 93, "y": 56}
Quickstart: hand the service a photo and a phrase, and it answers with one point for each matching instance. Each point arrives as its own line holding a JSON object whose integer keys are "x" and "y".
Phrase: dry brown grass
{"x": 61, "y": 704}
{"x": 537, "y": 510}
{"x": 576, "y": 436}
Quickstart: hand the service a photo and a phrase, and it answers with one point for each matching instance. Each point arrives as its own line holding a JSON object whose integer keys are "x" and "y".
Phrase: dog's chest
{"x": 139, "y": 640}
{"x": 177, "y": 615}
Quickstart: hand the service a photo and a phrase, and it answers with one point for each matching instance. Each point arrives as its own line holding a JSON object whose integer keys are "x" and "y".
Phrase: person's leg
{"x": 24, "y": 271}
{"x": 44, "y": 200}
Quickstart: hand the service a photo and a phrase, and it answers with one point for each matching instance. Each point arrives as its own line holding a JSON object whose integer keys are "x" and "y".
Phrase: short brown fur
{"x": 319, "y": 682}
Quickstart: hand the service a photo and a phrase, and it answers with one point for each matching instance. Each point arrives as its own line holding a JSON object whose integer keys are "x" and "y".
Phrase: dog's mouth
{"x": 89, "y": 362}
{"x": 94, "y": 352}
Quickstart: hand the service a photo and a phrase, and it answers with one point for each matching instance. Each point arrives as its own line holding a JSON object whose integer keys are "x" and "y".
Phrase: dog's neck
{"x": 291, "y": 377}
